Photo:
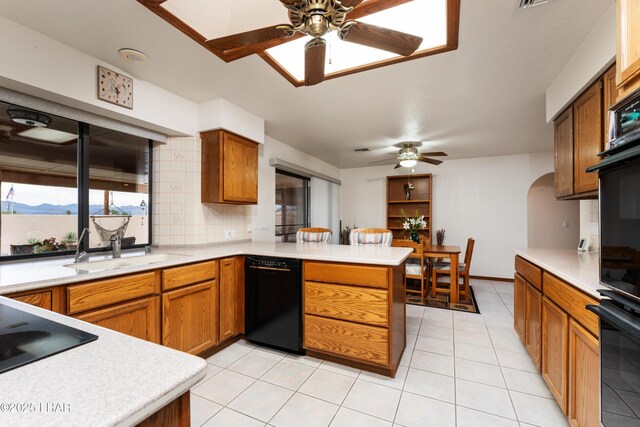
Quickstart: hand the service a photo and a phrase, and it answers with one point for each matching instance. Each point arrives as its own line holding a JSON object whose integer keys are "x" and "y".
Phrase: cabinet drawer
{"x": 40, "y": 299}
{"x": 572, "y": 301}
{"x": 189, "y": 274}
{"x": 358, "y": 342}
{"x": 530, "y": 272}
{"x": 109, "y": 291}
{"x": 347, "y": 303}
{"x": 347, "y": 274}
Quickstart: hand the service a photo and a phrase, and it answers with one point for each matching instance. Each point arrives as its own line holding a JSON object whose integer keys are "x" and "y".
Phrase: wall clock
{"x": 115, "y": 88}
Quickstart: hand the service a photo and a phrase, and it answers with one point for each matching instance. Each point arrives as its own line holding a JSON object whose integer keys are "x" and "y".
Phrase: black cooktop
{"x": 25, "y": 338}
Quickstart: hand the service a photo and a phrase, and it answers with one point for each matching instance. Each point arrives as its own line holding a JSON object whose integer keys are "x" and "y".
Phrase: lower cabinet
{"x": 231, "y": 297}
{"x": 533, "y": 324}
{"x": 584, "y": 377}
{"x": 38, "y": 299}
{"x": 555, "y": 350}
{"x": 140, "y": 319}
{"x": 190, "y": 317}
{"x": 519, "y": 294}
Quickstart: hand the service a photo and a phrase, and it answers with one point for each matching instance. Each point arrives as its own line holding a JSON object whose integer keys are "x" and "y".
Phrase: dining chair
{"x": 443, "y": 268}
{"x": 416, "y": 269}
{"x": 370, "y": 236}
{"x": 313, "y": 234}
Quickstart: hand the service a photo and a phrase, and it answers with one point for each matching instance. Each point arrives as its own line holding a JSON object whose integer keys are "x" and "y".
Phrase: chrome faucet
{"x": 116, "y": 245}
{"x": 80, "y": 256}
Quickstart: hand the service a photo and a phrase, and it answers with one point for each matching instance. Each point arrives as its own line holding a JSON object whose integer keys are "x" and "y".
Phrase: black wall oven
{"x": 619, "y": 308}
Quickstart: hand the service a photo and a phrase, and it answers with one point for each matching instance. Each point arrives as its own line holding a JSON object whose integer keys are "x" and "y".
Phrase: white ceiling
{"x": 484, "y": 99}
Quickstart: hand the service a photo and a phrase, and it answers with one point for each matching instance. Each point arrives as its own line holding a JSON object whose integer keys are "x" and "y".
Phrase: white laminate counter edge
{"x": 30, "y": 275}
{"x": 115, "y": 380}
{"x": 580, "y": 270}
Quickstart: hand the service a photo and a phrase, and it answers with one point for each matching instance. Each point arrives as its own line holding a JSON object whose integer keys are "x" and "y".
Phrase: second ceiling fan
{"x": 409, "y": 156}
{"x": 316, "y": 18}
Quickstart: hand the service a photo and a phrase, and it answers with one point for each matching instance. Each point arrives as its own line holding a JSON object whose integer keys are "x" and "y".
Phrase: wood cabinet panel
{"x": 610, "y": 97}
{"x": 572, "y": 301}
{"x": 519, "y": 294}
{"x": 140, "y": 319}
{"x": 628, "y": 45}
{"x": 347, "y": 274}
{"x": 563, "y": 131}
{"x": 38, "y": 299}
{"x": 555, "y": 351}
{"x": 533, "y": 324}
{"x": 176, "y": 277}
{"x": 101, "y": 293}
{"x": 532, "y": 273}
{"x": 420, "y": 200}
{"x": 190, "y": 318}
{"x": 587, "y": 137}
{"x": 228, "y": 298}
{"x": 584, "y": 377}
{"x": 229, "y": 168}
{"x": 351, "y": 303}
{"x": 174, "y": 414}
{"x": 355, "y": 341}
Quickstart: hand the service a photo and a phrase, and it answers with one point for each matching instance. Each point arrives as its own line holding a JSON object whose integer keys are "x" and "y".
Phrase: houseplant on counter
{"x": 413, "y": 224}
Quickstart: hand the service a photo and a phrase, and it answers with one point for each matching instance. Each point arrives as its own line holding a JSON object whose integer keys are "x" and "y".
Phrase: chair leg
{"x": 434, "y": 281}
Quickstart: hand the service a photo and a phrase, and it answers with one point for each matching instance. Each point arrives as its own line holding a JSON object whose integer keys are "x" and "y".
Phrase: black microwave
{"x": 624, "y": 123}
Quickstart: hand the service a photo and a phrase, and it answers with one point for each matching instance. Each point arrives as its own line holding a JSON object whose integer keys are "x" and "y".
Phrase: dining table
{"x": 453, "y": 253}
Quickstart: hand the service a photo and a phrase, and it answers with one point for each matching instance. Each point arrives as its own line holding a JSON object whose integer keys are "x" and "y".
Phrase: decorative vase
{"x": 414, "y": 236}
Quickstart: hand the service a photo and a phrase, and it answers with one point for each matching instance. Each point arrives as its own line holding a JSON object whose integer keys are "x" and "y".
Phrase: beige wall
{"x": 551, "y": 223}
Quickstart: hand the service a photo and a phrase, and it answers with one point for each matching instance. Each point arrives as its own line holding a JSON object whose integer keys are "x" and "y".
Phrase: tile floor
{"x": 459, "y": 369}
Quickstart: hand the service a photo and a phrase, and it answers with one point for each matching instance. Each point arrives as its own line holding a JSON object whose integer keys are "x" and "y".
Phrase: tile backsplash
{"x": 179, "y": 218}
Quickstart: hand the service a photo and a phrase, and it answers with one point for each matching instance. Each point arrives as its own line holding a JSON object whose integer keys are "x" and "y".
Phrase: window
{"x": 55, "y": 173}
{"x": 292, "y": 205}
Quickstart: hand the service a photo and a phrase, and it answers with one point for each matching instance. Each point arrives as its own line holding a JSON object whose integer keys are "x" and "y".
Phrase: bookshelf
{"x": 420, "y": 200}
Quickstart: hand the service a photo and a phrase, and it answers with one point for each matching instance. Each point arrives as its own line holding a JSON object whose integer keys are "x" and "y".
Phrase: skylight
{"x": 48, "y": 135}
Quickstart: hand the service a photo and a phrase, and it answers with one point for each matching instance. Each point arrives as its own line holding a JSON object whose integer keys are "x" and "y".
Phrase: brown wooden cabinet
{"x": 533, "y": 324}
{"x": 40, "y": 298}
{"x": 420, "y": 200}
{"x": 588, "y": 119}
{"x": 140, "y": 318}
{"x": 584, "y": 377}
{"x": 231, "y": 298}
{"x": 628, "y": 45}
{"x": 610, "y": 97}
{"x": 563, "y": 130}
{"x": 555, "y": 342}
{"x": 229, "y": 168}
{"x": 519, "y": 293}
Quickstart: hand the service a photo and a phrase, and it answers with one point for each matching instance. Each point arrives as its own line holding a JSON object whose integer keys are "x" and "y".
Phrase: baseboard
{"x": 494, "y": 279}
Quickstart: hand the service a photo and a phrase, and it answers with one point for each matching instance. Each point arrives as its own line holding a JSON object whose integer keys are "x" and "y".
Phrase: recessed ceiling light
{"x": 48, "y": 135}
{"x": 133, "y": 55}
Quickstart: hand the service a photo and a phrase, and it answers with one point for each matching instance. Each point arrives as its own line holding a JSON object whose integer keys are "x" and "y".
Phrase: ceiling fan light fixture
{"x": 28, "y": 117}
{"x": 408, "y": 163}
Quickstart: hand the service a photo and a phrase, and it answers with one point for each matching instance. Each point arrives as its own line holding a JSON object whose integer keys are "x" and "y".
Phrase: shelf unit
{"x": 420, "y": 200}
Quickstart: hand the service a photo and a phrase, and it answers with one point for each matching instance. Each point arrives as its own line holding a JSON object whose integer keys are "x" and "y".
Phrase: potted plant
{"x": 413, "y": 224}
{"x": 70, "y": 240}
{"x": 440, "y": 234}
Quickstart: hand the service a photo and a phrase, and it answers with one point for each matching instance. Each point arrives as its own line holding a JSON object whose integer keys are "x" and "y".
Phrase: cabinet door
{"x": 628, "y": 43}
{"x": 240, "y": 169}
{"x": 227, "y": 298}
{"x": 139, "y": 319}
{"x": 38, "y": 299}
{"x": 555, "y": 350}
{"x": 533, "y": 324}
{"x": 584, "y": 377}
{"x": 519, "y": 294}
{"x": 610, "y": 97}
{"x": 190, "y": 318}
{"x": 563, "y": 133}
{"x": 587, "y": 137}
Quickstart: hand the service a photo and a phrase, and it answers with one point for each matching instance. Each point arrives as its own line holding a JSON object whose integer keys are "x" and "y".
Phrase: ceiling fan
{"x": 316, "y": 18}
{"x": 409, "y": 156}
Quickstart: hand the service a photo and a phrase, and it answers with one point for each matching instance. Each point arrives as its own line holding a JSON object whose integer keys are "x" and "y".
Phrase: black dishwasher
{"x": 273, "y": 302}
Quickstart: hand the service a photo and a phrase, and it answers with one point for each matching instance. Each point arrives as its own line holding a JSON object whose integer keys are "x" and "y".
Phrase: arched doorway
{"x": 551, "y": 223}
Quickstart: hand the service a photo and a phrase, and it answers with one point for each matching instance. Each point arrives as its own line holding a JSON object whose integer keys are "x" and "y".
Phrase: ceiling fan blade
{"x": 349, "y": 3}
{"x": 382, "y": 161}
{"x": 291, "y": 4}
{"x": 398, "y": 166}
{"x": 314, "y": 55}
{"x": 239, "y": 40}
{"x": 434, "y": 154}
{"x": 379, "y": 37}
{"x": 428, "y": 160}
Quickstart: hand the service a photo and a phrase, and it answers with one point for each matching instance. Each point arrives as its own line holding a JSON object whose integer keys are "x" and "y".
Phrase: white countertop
{"x": 579, "y": 269}
{"x": 33, "y": 274}
{"x": 115, "y": 380}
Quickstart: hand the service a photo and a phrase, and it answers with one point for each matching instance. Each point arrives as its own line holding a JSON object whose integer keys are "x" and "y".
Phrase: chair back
{"x": 370, "y": 236}
{"x": 469, "y": 252}
{"x": 418, "y": 248}
{"x": 313, "y": 234}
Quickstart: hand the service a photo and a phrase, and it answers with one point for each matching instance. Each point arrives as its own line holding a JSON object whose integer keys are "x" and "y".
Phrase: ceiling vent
{"x": 532, "y": 3}
{"x": 361, "y": 150}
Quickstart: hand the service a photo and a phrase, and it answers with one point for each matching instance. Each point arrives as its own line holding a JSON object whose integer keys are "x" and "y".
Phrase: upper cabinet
{"x": 628, "y": 44}
{"x": 229, "y": 168}
{"x": 580, "y": 136}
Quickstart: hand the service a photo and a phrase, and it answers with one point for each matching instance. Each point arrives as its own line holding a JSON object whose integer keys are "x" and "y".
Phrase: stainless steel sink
{"x": 112, "y": 264}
